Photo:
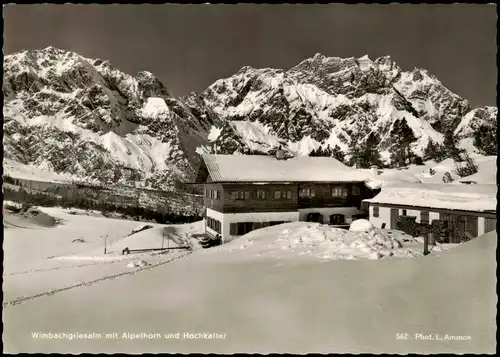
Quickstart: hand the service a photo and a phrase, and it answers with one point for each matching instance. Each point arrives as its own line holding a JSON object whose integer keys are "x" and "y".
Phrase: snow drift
{"x": 314, "y": 241}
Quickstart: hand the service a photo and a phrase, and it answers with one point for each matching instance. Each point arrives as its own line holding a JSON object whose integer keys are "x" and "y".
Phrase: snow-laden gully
{"x": 22, "y": 299}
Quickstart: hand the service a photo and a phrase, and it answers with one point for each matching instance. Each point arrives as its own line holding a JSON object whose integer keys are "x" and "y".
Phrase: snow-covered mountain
{"x": 78, "y": 116}
{"x": 334, "y": 101}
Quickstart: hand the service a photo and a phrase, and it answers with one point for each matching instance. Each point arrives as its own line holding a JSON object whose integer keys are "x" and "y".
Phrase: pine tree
{"x": 317, "y": 152}
{"x": 338, "y": 154}
{"x": 403, "y": 137}
{"x": 430, "y": 151}
{"x": 485, "y": 140}
{"x": 366, "y": 154}
{"x": 451, "y": 146}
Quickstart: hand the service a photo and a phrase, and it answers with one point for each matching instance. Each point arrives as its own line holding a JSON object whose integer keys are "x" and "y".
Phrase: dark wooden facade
{"x": 282, "y": 197}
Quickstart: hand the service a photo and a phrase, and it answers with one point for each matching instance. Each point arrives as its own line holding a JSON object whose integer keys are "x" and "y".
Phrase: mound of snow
{"x": 138, "y": 264}
{"x": 321, "y": 242}
{"x": 361, "y": 225}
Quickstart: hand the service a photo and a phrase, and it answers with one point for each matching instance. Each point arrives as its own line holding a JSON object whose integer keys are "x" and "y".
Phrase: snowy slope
{"x": 265, "y": 305}
{"x": 432, "y": 172}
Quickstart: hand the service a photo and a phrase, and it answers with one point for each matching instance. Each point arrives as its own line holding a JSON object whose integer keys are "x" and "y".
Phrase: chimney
{"x": 280, "y": 154}
{"x": 374, "y": 170}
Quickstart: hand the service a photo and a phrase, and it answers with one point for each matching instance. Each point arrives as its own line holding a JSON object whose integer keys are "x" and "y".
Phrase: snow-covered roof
{"x": 265, "y": 168}
{"x": 444, "y": 196}
{"x": 388, "y": 177}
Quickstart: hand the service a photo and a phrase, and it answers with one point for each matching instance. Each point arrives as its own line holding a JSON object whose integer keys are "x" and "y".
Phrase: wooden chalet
{"x": 246, "y": 192}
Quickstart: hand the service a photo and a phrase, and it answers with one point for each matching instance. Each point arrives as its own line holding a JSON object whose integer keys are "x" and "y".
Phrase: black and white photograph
{"x": 249, "y": 178}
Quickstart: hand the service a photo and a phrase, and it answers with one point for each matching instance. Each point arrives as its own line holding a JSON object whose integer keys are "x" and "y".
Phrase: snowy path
{"x": 52, "y": 291}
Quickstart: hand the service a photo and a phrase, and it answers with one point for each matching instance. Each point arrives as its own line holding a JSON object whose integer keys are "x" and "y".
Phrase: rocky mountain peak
{"x": 85, "y": 118}
{"x": 150, "y": 86}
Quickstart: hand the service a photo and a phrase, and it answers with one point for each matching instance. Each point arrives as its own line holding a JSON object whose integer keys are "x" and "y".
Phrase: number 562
{"x": 401, "y": 336}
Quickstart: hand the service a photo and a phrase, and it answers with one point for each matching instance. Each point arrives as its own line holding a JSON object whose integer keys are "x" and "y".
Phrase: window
{"x": 206, "y": 193}
{"x": 356, "y": 191}
{"x": 337, "y": 219}
{"x": 212, "y": 194}
{"x": 375, "y": 211}
{"x": 261, "y": 195}
{"x": 424, "y": 217}
{"x": 240, "y": 195}
{"x": 233, "y": 229}
{"x": 315, "y": 217}
{"x": 339, "y": 191}
{"x": 240, "y": 228}
{"x": 214, "y": 224}
{"x": 307, "y": 192}
{"x": 403, "y": 212}
{"x": 217, "y": 195}
{"x": 283, "y": 195}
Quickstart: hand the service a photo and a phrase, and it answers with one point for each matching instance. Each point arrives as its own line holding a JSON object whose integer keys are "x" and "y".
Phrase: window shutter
{"x": 424, "y": 217}
{"x": 233, "y": 229}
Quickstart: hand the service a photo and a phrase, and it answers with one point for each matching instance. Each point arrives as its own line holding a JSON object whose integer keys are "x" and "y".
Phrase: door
{"x": 490, "y": 224}
{"x": 394, "y": 217}
{"x": 471, "y": 226}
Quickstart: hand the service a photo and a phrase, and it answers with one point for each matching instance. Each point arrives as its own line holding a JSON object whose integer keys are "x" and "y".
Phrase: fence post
{"x": 426, "y": 244}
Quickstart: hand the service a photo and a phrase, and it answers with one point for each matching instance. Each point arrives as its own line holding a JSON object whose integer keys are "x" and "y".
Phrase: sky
{"x": 191, "y": 46}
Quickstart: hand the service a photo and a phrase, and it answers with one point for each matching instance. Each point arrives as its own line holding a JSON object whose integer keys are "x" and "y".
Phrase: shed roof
{"x": 479, "y": 198}
{"x": 265, "y": 168}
